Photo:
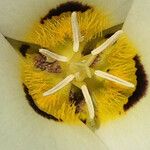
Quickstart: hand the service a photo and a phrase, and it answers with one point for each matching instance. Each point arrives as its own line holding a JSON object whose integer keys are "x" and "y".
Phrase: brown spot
{"x": 39, "y": 60}
{"x": 142, "y": 84}
{"x": 96, "y": 60}
{"x": 41, "y": 63}
{"x": 23, "y": 49}
{"x": 65, "y": 7}
{"x": 54, "y": 67}
{"x": 84, "y": 121}
{"x": 36, "y": 109}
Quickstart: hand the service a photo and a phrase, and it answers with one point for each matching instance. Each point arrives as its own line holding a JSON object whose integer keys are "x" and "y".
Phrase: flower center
{"x": 80, "y": 68}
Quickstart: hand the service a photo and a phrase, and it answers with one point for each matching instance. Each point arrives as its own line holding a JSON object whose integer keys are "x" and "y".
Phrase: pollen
{"x": 100, "y": 82}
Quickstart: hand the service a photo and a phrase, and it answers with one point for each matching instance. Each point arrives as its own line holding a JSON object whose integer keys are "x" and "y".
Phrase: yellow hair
{"x": 111, "y": 97}
{"x": 56, "y": 35}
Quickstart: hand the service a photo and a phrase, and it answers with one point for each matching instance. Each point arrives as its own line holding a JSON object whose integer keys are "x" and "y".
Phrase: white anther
{"x": 107, "y": 43}
{"x": 113, "y": 78}
{"x": 75, "y": 31}
{"x": 55, "y": 56}
{"x": 88, "y": 101}
{"x": 60, "y": 85}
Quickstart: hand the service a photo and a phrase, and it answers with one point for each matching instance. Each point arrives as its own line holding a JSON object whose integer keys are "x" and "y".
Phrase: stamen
{"x": 88, "y": 101}
{"x": 75, "y": 31}
{"x": 60, "y": 85}
{"x": 107, "y": 43}
{"x": 47, "y": 53}
{"x": 113, "y": 78}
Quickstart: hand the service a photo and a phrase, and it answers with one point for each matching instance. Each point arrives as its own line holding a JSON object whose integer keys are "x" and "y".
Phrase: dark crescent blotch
{"x": 36, "y": 109}
{"x": 142, "y": 84}
{"x": 65, "y": 7}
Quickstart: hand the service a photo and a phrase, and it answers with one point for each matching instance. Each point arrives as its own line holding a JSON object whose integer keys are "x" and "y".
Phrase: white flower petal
{"x": 17, "y": 16}
{"x": 21, "y": 128}
{"x": 118, "y": 9}
{"x": 132, "y": 132}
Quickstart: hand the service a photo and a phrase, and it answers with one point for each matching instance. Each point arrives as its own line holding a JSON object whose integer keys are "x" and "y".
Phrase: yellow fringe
{"x": 90, "y": 23}
{"x": 111, "y": 97}
{"x": 56, "y": 34}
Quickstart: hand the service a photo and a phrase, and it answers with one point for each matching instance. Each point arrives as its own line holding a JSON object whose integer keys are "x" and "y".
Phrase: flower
{"x": 21, "y": 128}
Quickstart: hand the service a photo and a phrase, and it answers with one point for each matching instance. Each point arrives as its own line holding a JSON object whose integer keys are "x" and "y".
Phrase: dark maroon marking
{"x": 36, "y": 109}
{"x": 39, "y": 60}
{"x": 108, "y": 70}
{"x": 23, "y": 49}
{"x": 65, "y": 7}
{"x": 84, "y": 121}
{"x": 53, "y": 67}
{"x": 142, "y": 84}
{"x": 41, "y": 63}
{"x": 76, "y": 97}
